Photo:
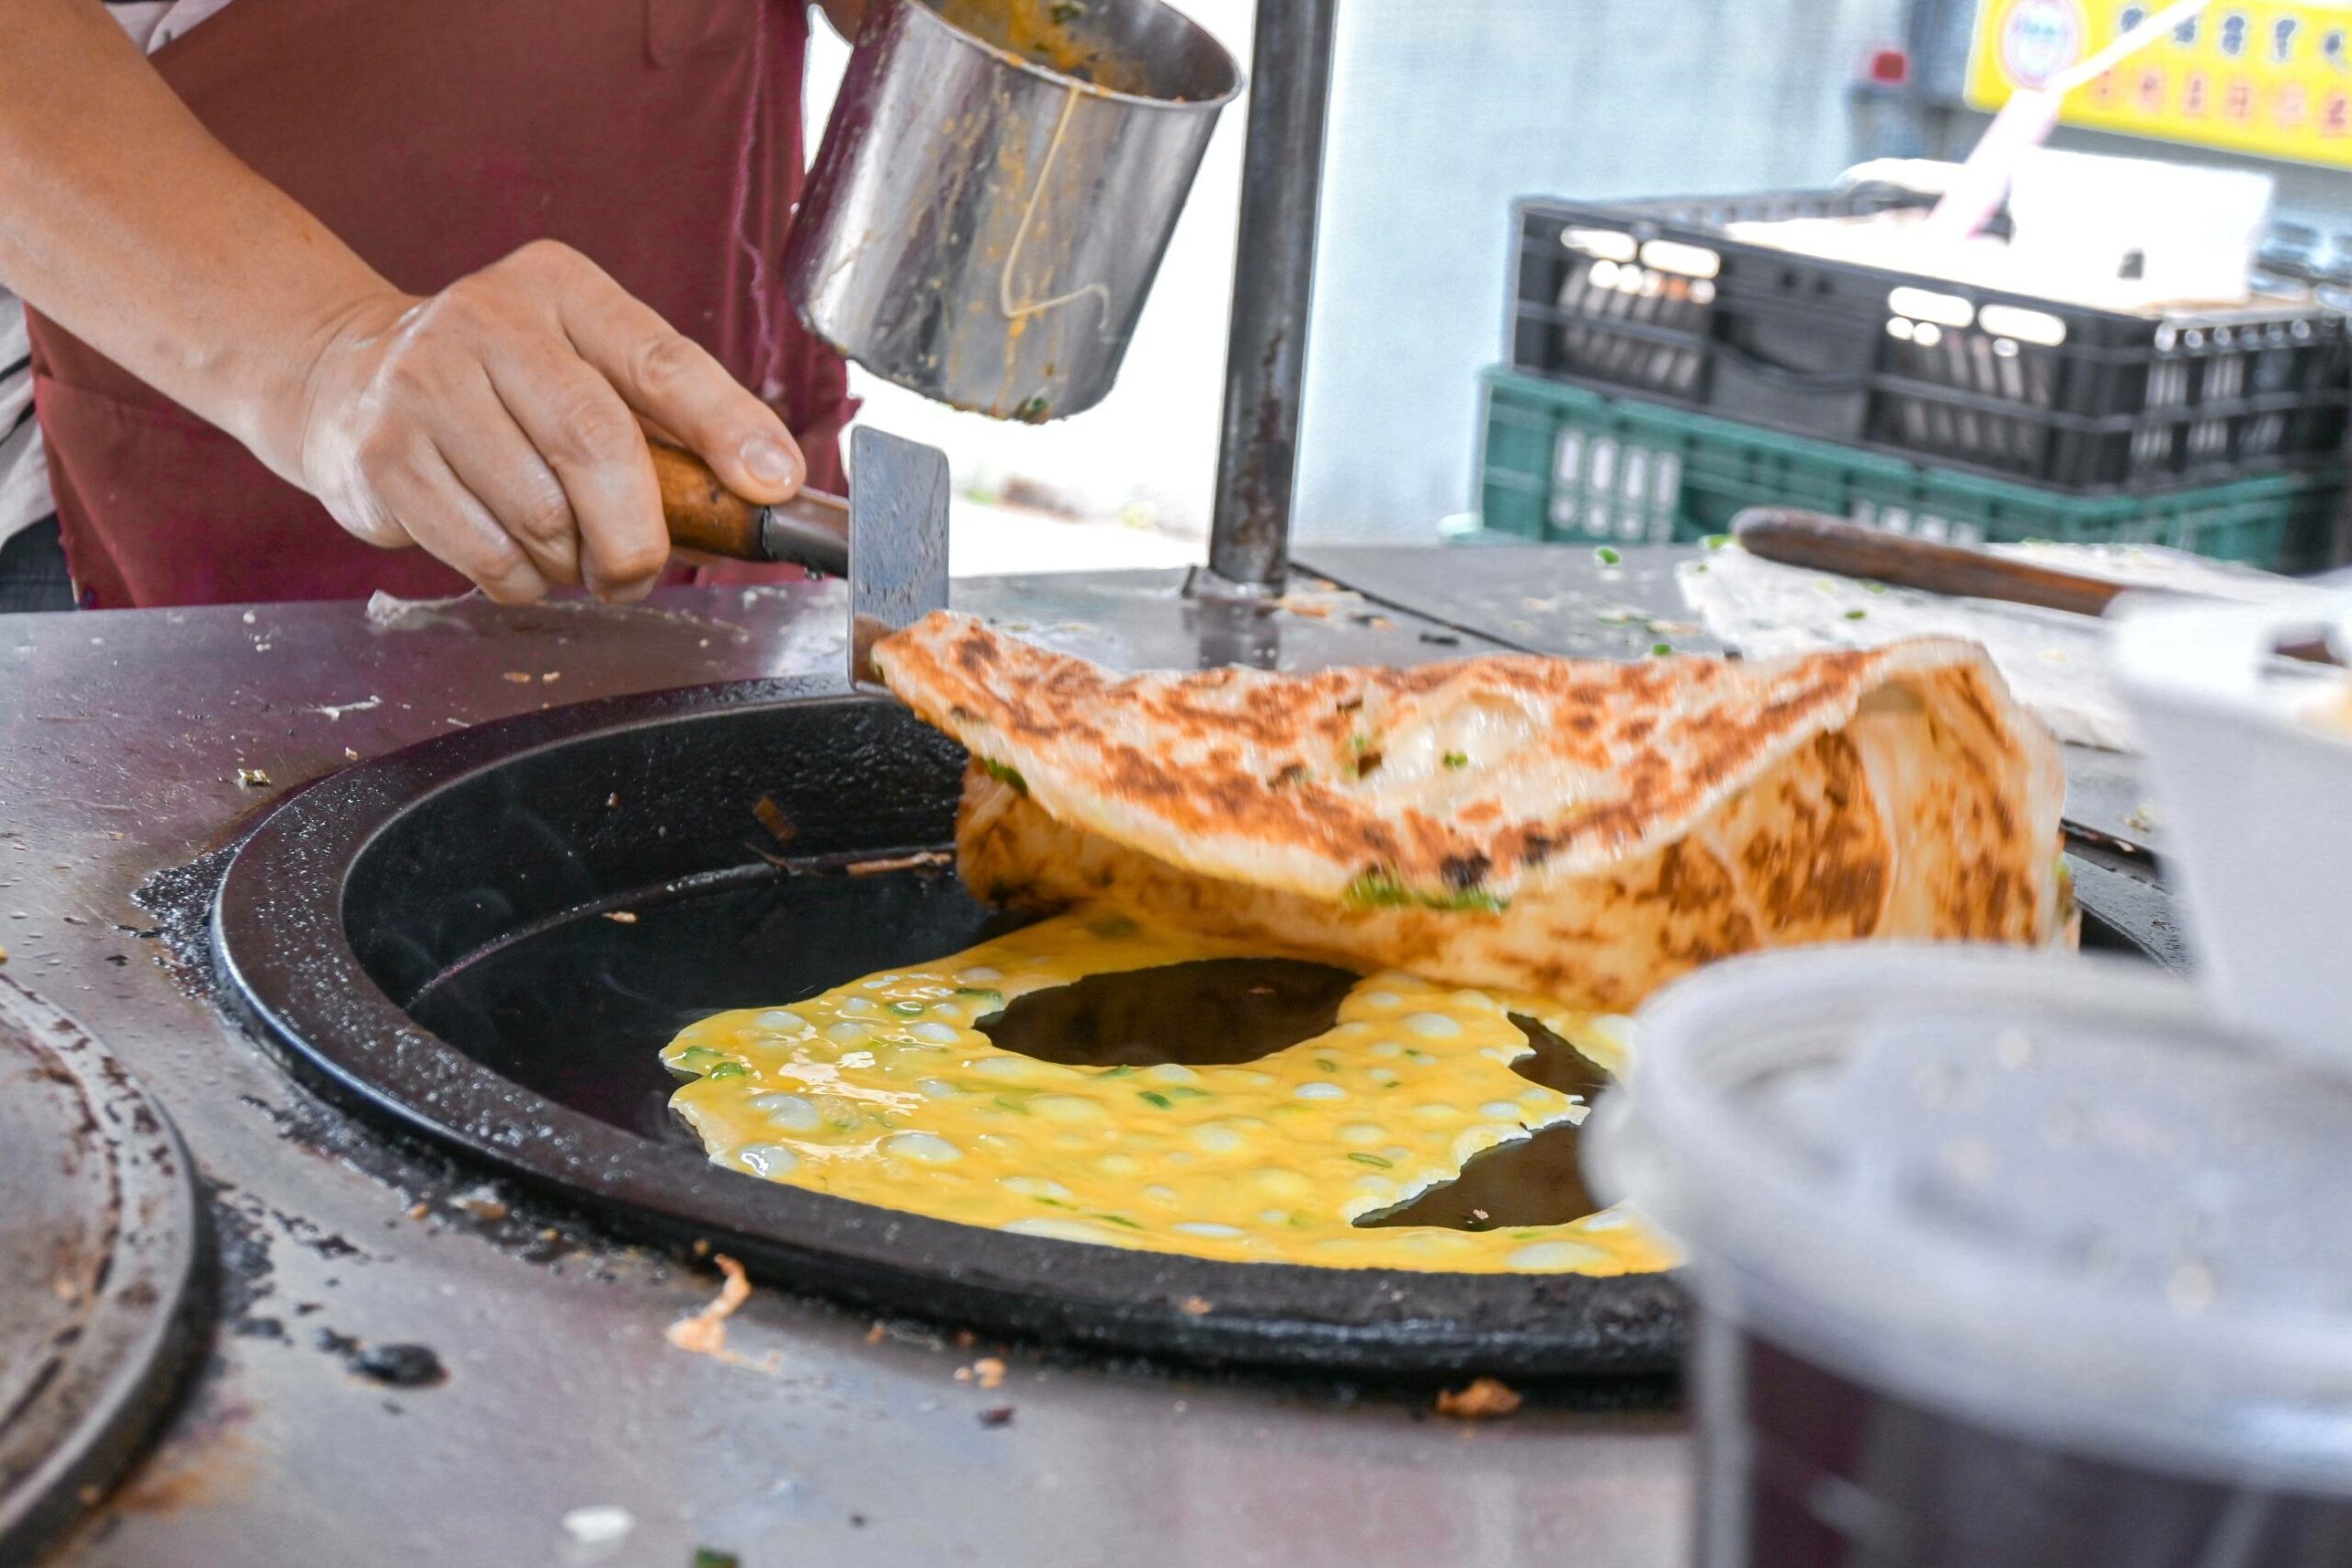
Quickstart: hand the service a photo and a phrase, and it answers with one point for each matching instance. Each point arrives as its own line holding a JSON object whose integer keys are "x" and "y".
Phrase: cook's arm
{"x": 496, "y": 423}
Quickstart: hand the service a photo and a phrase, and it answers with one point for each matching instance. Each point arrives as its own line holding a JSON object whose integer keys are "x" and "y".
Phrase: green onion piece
{"x": 1153, "y": 1097}
{"x": 1457, "y": 759}
{"x": 1375, "y": 889}
{"x": 1660, "y": 649}
{"x": 726, "y": 1070}
{"x": 697, "y": 1058}
{"x": 1006, "y": 775}
{"x": 1012, "y": 1105}
{"x": 1117, "y": 1220}
{"x": 1381, "y": 890}
{"x": 1370, "y": 1160}
{"x": 1716, "y": 541}
{"x": 1118, "y": 1072}
{"x": 1871, "y": 586}
{"x": 1606, "y": 556}
{"x": 711, "y": 1557}
{"x": 1476, "y": 900}
{"x": 1856, "y": 615}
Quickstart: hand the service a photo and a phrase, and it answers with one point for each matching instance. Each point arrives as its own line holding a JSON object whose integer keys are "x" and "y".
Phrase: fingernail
{"x": 770, "y": 462}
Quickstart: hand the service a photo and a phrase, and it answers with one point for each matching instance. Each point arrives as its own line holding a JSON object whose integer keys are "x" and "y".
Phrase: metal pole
{"x": 1273, "y": 273}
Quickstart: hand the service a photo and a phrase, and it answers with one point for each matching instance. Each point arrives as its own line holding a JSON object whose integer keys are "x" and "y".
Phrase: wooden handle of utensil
{"x": 702, "y": 513}
{"x": 1825, "y": 544}
{"x": 1810, "y": 540}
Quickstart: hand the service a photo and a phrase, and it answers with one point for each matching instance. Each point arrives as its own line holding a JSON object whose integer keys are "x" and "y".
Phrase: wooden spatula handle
{"x": 1849, "y": 549}
{"x": 702, "y": 513}
{"x": 1810, "y": 540}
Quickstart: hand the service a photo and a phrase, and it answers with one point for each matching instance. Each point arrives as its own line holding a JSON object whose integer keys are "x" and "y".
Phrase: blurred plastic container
{"x": 2250, "y": 768}
{"x": 2001, "y": 1260}
{"x": 1561, "y": 462}
{"x": 2131, "y": 233}
{"x": 1808, "y": 312}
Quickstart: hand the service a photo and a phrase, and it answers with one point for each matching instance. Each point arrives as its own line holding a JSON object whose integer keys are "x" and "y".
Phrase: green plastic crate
{"x": 1562, "y": 462}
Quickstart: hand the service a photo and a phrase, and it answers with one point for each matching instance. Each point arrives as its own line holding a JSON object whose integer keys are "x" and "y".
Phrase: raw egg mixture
{"x": 885, "y": 1091}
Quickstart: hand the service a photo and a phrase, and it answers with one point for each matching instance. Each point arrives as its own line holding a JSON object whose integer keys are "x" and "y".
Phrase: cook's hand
{"x": 496, "y": 423}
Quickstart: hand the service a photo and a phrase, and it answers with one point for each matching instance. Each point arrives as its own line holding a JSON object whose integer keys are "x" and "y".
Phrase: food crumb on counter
{"x": 898, "y": 862}
{"x": 705, "y": 1332}
{"x": 621, "y": 917}
{"x": 772, "y": 817}
{"x": 1483, "y": 1400}
{"x": 483, "y": 1203}
{"x": 990, "y": 1371}
{"x": 253, "y": 778}
{"x": 400, "y": 1366}
{"x": 598, "y": 1524}
{"x": 997, "y": 1415}
{"x": 520, "y": 677}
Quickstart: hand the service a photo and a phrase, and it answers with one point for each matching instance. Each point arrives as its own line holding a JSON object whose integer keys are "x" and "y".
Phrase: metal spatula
{"x": 889, "y": 538}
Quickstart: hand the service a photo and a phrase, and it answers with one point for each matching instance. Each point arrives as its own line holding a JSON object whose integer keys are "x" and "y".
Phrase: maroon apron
{"x": 662, "y": 138}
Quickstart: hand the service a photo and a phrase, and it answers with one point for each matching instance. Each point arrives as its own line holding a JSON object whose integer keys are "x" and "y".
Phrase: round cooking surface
{"x": 431, "y": 935}
{"x": 97, "y": 1250}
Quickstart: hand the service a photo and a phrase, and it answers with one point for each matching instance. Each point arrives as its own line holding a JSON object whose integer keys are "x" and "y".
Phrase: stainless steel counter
{"x": 122, "y": 739}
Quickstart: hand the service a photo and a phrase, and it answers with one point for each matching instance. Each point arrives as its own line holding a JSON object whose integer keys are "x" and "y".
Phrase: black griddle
{"x": 428, "y": 937}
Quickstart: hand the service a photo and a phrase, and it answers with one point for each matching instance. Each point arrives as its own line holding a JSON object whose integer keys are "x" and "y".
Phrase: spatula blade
{"x": 898, "y": 540}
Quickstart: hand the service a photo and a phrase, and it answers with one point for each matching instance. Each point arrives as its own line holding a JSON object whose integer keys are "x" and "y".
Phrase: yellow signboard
{"x": 2273, "y": 79}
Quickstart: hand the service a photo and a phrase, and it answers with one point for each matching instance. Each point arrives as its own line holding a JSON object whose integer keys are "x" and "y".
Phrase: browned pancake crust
{"x": 1278, "y": 779}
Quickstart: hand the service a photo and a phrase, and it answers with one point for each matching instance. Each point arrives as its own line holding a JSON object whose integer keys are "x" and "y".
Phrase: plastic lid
{"x": 2038, "y": 1193}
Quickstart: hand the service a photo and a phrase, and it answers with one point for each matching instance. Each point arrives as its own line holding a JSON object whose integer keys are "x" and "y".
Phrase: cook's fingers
{"x": 432, "y": 505}
{"x": 587, "y": 435}
{"x": 672, "y": 380}
{"x": 497, "y": 462}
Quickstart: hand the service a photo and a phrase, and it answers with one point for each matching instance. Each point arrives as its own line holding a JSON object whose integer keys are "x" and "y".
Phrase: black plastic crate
{"x": 1652, "y": 298}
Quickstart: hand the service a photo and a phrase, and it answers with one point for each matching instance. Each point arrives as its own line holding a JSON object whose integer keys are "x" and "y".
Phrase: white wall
{"x": 1444, "y": 111}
